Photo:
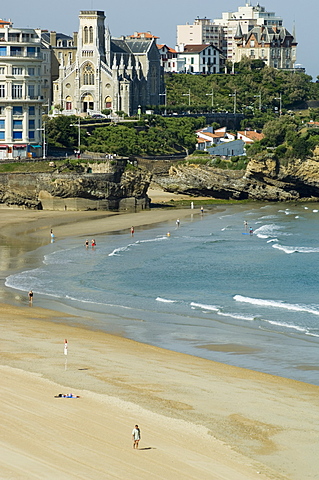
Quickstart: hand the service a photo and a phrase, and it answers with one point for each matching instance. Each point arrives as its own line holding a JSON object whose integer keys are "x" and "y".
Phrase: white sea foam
{"x": 117, "y": 251}
{"x": 268, "y": 230}
{"x": 272, "y": 240}
{"x": 287, "y": 325}
{"x": 289, "y": 250}
{"x": 216, "y": 309}
{"x": 205, "y": 307}
{"x": 315, "y": 211}
{"x": 96, "y": 303}
{"x": 237, "y": 316}
{"x": 276, "y": 304}
{"x": 165, "y": 300}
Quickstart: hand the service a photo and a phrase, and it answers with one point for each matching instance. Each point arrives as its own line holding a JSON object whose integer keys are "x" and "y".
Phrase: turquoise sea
{"x": 208, "y": 289}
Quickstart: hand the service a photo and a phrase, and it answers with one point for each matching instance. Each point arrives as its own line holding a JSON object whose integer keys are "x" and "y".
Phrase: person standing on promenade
{"x": 136, "y": 436}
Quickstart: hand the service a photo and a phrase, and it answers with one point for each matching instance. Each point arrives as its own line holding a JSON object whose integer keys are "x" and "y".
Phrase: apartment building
{"x": 224, "y": 32}
{"x": 21, "y": 92}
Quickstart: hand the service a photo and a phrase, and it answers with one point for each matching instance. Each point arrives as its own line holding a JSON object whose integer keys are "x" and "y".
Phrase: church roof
{"x": 130, "y": 46}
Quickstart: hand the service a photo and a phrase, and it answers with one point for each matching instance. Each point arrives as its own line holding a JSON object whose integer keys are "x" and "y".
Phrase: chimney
{"x": 53, "y": 39}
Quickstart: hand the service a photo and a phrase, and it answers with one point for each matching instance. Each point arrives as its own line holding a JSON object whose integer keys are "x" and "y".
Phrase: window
{"x": 88, "y": 75}
{"x": 85, "y": 35}
{"x": 2, "y": 124}
{"x": 31, "y": 71}
{"x": 2, "y": 70}
{"x": 16, "y": 71}
{"x": 16, "y": 91}
{"x": 17, "y": 124}
{"x": 31, "y": 51}
{"x": 252, "y": 43}
{"x": 17, "y": 135}
{"x": 17, "y": 110}
{"x": 192, "y": 60}
{"x": 2, "y": 135}
{"x": 16, "y": 51}
{"x": 31, "y": 111}
{"x": 31, "y": 91}
{"x": 2, "y": 90}
{"x": 91, "y": 34}
{"x": 3, "y": 51}
{"x": 31, "y": 134}
{"x": 31, "y": 124}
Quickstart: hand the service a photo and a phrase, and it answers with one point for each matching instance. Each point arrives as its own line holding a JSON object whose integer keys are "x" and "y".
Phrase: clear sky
{"x": 124, "y": 17}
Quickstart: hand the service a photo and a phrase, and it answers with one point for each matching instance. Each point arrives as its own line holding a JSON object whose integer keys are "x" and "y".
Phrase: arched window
{"x": 85, "y": 35}
{"x": 91, "y": 34}
{"x": 88, "y": 75}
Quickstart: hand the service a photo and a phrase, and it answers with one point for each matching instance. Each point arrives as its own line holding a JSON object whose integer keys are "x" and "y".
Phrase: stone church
{"x": 120, "y": 74}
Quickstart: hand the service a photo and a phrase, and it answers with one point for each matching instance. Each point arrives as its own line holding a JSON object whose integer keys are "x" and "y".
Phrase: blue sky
{"x": 160, "y": 18}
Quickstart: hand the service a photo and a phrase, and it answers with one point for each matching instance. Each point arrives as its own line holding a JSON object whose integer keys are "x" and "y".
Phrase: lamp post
{"x": 212, "y": 95}
{"x": 43, "y": 140}
{"x": 139, "y": 111}
{"x": 165, "y": 100}
{"x": 188, "y": 95}
{"x": 280, "y": 103}
{"x": 258, "y": 96}
{"x": 79, "y": 131}
{"x": 235, "y": 100}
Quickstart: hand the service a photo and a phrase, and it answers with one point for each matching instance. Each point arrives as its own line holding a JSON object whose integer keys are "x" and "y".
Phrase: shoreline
{"x": 242, "y": 423}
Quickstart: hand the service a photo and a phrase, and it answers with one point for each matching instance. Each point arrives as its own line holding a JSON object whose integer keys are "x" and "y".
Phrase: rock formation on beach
{"x": 265, "y": 179}
{"x": 117, "y": 188}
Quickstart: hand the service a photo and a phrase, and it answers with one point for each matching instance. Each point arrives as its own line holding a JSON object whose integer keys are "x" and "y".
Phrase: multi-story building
{"x": 21, "y": 94}
{"x": 273, "y": 45}
{"x": 202, "y": 31}
{"x": 222, "y": 32}
{"x": 120, "y": 74}
{"x": 205, "y": 59}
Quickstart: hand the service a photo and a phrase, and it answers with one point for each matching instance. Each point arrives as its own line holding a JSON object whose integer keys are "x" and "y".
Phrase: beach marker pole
{"x": 66, "y": 353}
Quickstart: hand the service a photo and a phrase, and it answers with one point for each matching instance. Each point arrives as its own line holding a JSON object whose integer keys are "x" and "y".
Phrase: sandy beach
{"x": 199, "y": 419}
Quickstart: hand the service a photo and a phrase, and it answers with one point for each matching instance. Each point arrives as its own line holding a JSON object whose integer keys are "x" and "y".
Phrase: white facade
{"x": 21, "y": 93}
{"x": 203, "y": 59}
{"x": 222, "y": 31}
{"x": 120, "y": 74}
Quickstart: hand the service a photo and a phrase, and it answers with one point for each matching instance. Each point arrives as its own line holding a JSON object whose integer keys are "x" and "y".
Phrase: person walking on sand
{"x": 30, "y": 296}
{"x": 136, "y": 436}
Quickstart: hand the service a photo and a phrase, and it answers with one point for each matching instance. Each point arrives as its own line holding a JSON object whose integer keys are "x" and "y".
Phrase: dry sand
{"x": 199, "y": 419}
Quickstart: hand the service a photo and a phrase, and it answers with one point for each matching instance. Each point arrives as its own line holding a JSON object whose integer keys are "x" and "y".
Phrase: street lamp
{"x": 79, "y": 131}
{"x": 165, "y": 99}
{"x": 188, "y": 95}
{"x": 43, "y": 140}
{"x": 279, "y": 98}
{"x": 212, "y": 95}
{"x": 235, "y": 99}
{"x": 258, "y": 96}
{"x": 139, "y": 111}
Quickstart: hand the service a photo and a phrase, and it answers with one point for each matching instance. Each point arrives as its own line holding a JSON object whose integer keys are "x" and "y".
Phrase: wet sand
{"x": 199, "y": 419}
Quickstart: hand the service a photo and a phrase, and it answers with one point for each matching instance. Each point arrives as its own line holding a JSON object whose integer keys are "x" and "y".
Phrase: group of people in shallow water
{"x": 93, "y": 243}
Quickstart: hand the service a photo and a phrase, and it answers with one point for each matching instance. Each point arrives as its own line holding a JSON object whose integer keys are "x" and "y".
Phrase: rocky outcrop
{"x": 120, "y": 189}
{"x": 265, "y": 179}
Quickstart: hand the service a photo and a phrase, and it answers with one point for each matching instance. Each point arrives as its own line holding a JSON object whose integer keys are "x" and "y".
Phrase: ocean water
{"x": 209, "y": 289}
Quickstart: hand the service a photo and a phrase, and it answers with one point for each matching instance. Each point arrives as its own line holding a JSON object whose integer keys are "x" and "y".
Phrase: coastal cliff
{"x": 265, "y": 179}
{"x": 115, "y": 188}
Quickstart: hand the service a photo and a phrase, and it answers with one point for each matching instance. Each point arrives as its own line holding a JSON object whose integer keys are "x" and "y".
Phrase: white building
{"x": 205, "y": 59}
{"x": 222, "y": 31}
{"x": 21, "y": 95}
{"x": 121, "y": 74}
